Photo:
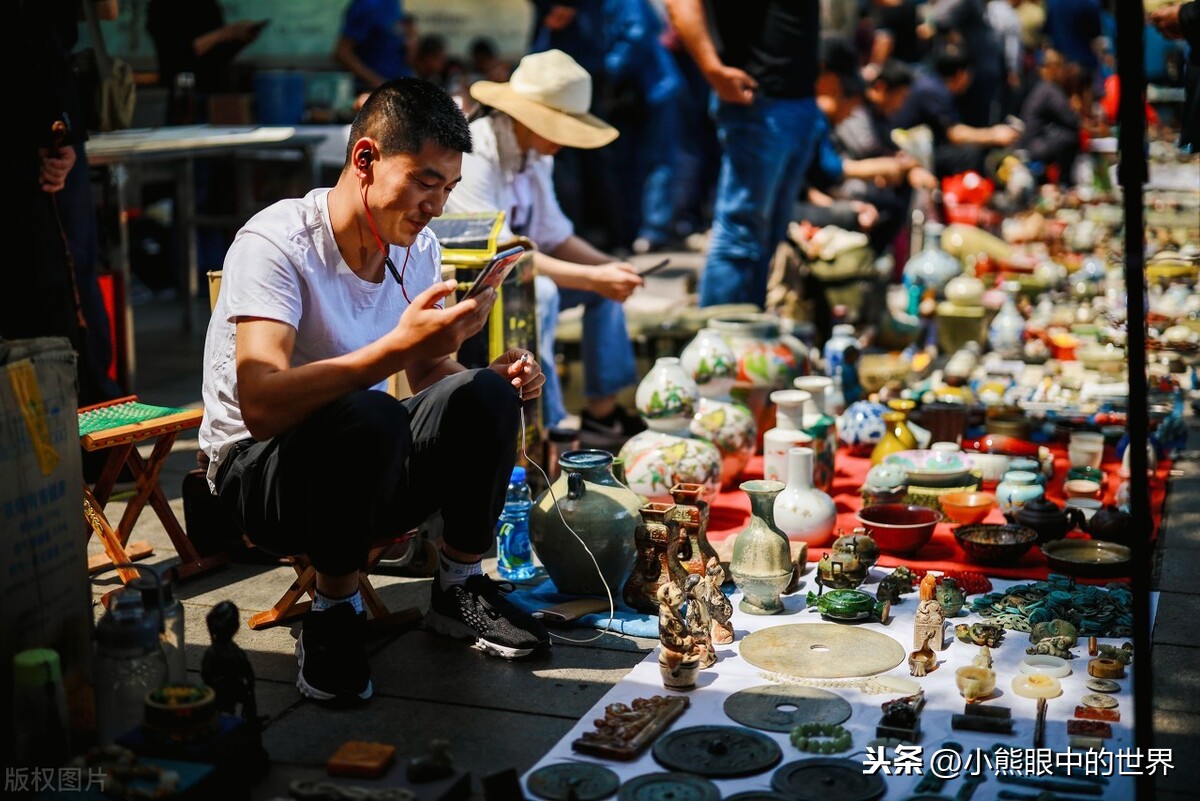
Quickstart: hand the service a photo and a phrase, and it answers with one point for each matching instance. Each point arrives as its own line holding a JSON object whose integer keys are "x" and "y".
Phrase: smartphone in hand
{"x": 495, "y": 272}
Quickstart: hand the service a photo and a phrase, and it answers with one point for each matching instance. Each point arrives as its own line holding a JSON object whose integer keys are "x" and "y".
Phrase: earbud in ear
{"x": 363, "y": 160}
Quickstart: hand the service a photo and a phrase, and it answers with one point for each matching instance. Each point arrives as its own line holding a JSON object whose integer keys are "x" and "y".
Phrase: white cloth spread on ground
{"x": 943, "y": 700}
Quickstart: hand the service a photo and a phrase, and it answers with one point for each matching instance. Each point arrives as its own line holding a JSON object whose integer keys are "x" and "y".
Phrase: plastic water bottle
{"x": 512, "y": 531}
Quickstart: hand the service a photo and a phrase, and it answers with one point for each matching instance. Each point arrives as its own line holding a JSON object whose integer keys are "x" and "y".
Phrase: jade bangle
{"x": 1046, "y": 665}
{"x": 1036, "y": 685}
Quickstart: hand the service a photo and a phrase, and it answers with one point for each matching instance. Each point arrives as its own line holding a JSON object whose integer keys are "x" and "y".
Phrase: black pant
{"x": 368, "y": 466}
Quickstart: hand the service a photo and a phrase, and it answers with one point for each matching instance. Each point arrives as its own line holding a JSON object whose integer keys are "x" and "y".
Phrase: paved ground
{"x": 502, "y": 715}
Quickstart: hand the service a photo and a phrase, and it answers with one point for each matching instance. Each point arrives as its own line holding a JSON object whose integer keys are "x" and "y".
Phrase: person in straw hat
{"x": 528, "y": 119}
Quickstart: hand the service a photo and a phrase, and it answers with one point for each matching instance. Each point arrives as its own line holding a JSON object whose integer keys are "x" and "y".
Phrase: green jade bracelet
{"x": 805, "y": 738}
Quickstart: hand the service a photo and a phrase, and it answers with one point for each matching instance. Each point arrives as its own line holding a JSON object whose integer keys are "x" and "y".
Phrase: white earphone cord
{"x": 612, "y": 611}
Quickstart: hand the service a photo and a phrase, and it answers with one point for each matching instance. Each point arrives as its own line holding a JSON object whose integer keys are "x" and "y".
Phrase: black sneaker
{"x": 477, "y": 610}
{"x": 333, "y": 656}
{"x": 608, "y": 433}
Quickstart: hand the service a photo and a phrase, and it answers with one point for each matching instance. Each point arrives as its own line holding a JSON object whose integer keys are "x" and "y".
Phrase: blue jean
{"x": 608, "y": 362}
{"x": 659, "y": 162}
{"x": 766, "y": 149}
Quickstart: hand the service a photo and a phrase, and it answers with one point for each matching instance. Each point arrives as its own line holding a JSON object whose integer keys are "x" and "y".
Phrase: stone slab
{"x": 1180, "y": 732}
{"x": 1177, "y": 679}
{"x": 1178, "y": 621}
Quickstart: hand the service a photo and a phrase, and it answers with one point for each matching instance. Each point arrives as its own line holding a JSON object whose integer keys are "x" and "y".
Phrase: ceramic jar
{"x": 803, "y": 512}
{"x": 655, "y": 462}
{"x": 667, "y": 397}
{"x": 1017, "y": 488}
{"x": 731, "y": 428}
{"x": 601, "y": 510}
{"x": 823, "y": 428}
{"x": 711, "y": 363}
{"x": 761, "y": 565}
{"x": 950, "y": 596}
{"x": 965, "y": 291}
{"x": 862, "y": 426}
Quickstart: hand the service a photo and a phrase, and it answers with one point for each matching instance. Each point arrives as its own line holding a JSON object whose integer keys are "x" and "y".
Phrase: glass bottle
{"x": 159, "y": 603}
{"x": 129, "y": 663}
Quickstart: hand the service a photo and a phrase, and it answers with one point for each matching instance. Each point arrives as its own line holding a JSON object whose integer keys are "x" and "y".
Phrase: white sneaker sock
{"x": 451, "y": 572}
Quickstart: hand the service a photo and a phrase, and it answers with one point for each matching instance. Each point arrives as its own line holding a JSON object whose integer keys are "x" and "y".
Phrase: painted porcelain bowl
{"x": 988, "y": 544}
{"x": 992, "y": 466}
{"x": 899, "y": 528}
{"x": 930, "y": 468}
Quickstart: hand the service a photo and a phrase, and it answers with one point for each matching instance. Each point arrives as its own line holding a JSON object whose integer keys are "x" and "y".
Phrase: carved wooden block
{"x": 626, "y": 730}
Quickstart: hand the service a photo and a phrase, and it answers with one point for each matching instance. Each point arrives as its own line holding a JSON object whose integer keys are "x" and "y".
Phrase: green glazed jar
{"x": 601, "y": 510}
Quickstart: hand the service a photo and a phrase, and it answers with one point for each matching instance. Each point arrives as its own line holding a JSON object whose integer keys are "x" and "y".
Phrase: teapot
{"x": 860, "y": 544}
{"x": 1046, "y": 518}
{"x": 1110, "y": 524}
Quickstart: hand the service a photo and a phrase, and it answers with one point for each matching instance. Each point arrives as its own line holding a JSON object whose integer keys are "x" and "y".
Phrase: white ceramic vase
{"x": 789, "y": 408}
{"x": 803, "y": 512}
{"x": 711, "y": 363}
{"x": 667, "y": 397}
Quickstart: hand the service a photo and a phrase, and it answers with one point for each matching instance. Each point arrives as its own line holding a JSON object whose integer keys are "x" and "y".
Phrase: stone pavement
{"x": 498, "y": 714}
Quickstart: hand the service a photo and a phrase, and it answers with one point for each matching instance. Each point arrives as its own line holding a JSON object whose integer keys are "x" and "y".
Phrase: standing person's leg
{"x": 657, "y": 199}
{"x": 795, "y": 126}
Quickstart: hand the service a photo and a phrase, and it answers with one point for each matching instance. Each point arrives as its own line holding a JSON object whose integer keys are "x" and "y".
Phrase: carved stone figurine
{"x": 984, "y": 658}
{"x": 720, "y": 610}
{"x": 691, "y": 514}
{"x": 1059, "y": 646}
{"x": 698, "y": 620}
{"x": 226, "y": 668}
{"x": 931, "y": 619}
{"x": 657, "y": 543}
{"x": 1123, "y": 654}
{"x": 677, "y": 660}
{"x": 893, "y": 585}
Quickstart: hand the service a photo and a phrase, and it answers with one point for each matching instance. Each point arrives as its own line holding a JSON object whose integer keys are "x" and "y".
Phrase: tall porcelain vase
{"x": 803, "y": 512}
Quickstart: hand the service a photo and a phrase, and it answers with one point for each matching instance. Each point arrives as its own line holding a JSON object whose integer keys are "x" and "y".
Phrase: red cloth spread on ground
{"x": 730, "y": 513}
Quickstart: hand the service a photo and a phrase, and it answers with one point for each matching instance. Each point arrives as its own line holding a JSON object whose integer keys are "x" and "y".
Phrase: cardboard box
{"x": 45, "y": 593}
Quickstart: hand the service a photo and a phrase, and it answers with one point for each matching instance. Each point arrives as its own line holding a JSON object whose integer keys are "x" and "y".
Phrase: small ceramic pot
{"x": 729, "y": 426}
{"x": 1085, "y": 454}
{"x": 1029, "y": 466}
{"x": 803, "y": 512}
{"x": 1018, "y": 488}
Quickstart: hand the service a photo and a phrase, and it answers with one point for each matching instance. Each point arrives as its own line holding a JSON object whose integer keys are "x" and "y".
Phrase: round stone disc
{"x": 822, "y": 650}
{"x": 828, "y": 779}
{"x": 1099, "y": 701}
{"x": 775, "y": 707}
{"x": 721, "y": 752}
{"x": 589, "y": 782}
{"x": 669, "y": 787}
{"x": 1103, "y": 685}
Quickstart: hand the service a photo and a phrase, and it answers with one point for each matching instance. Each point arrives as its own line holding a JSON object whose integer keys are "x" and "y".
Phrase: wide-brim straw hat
{"x": 550, "y": 94}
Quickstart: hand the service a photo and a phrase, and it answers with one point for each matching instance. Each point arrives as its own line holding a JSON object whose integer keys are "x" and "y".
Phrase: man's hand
{"x": 732, "y": 85}
{"x": 921, "y": 178}
{"x": 55, "y": 164}
{"x": 243, "y": 31}
{"x": 1004, "y": 135}
{"x": 868, "y": 215}
{"x": 522, "y": 371}
{"x": 1166, "y": 19}
{"x": 427, "y": 332}
{"x": 615, "y": 281}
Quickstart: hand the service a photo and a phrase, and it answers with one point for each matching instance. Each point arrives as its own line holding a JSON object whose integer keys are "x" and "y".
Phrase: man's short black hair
{"x": 894, "y": 74}
{"x": 403, "y": 114}
{"x": 951, "y": 61}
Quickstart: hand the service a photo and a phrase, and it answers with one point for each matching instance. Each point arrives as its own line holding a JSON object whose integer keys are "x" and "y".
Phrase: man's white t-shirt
{"x": 526, "y": 196}
{"x": 285, "y": 265}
